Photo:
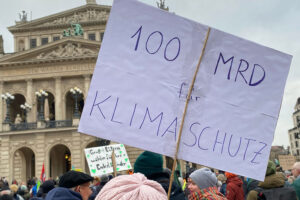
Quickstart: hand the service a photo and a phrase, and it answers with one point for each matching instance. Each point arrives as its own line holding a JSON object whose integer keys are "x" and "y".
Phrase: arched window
{"x": 71, "y": 105}
{"x": 21, "y": 45}
{"x": 23, "y": 164}
{"x": 60, "y": 160}
{"x": 16, "y": 113}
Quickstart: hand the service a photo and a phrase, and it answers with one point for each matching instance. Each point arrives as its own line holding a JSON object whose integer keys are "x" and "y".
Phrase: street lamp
{"x": 25, "y": 107}
{"x": 41, "y": 95}
{"x": 76, "y": 94}
{"x": 8, "y": 99}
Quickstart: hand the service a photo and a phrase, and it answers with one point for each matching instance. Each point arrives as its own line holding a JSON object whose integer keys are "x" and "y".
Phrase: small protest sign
{"x": 99, "y": 159}
{"x": 141, "y": 81}
{"x": 286, "y": 161}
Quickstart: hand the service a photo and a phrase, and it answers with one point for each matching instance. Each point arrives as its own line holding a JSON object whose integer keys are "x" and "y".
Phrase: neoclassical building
{"x": 44, "y": 84}
{"x": 294, "y": 133}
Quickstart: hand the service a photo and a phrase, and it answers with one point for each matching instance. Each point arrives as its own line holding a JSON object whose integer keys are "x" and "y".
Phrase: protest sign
{"x": 286, "y": 161}
{"x": 100, "y": 161}
{"x": 140, "y": 84}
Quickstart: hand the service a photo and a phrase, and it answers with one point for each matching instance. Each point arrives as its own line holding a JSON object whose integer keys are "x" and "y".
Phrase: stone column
{"x": 40, "y": 156}
{"x": 29, "y": 100}
{"x": 97, "y": 36}
{"x": 27, "y": 43}
{"x": 38, "y": 41}
{"x": 15, "y": 44}
{"x": 6, "y": 159}
{"x": 87, "y": 81}
{"x": 2, "y": 114}
{"x": 58, "y": 99}
{"x": 85, "y": 35}
{"x": 76, "y": 151}
{"x": 50, "y": 38}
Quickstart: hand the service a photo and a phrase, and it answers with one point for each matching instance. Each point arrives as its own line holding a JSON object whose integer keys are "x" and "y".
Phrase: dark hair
{"x": 189, "y": 172}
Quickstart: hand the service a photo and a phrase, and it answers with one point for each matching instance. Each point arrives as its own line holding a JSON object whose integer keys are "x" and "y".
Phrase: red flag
{"x": 43, "y": 175}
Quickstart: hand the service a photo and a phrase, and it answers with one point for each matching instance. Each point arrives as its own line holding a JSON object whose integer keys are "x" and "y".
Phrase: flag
{"x": 43, "y": 175}
{"x": 38, "y": 184}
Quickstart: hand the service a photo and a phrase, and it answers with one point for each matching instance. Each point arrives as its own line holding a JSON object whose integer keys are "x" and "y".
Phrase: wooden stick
{"x": 113, "y": 159}
{"x": 184, "y": 113}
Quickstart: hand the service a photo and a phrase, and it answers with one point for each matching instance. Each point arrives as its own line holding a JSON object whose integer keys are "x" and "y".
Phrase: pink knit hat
{"x": 132, "y": 187}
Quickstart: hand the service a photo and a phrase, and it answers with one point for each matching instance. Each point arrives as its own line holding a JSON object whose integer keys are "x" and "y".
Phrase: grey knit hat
{"x": 204, "y": 178}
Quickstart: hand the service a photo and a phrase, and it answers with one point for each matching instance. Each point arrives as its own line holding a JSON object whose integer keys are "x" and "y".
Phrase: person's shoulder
{"x": 296, "y": 182}
{"x": 252, "y": 195}
{"x": 61, "y": 193}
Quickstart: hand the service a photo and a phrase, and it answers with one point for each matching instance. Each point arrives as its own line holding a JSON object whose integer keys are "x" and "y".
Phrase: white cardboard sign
{"x": 140, "y": 83}
{"x": 100, "y": 161}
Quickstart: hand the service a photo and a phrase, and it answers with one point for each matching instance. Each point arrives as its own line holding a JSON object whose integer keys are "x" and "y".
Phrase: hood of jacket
{"x": 235, "y": 180}
{"x": 61, "y": 193}
{"x": 273, "y": 181}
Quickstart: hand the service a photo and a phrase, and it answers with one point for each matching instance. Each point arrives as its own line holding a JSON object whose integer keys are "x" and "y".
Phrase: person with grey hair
{"x": 202, "y": 184}
{"x": 296, "y": 174}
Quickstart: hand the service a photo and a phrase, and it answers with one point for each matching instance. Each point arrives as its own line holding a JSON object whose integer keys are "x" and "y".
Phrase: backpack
{"x": 281, "y": 193}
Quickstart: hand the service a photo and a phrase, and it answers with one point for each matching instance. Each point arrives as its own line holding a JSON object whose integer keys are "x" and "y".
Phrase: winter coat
{"x": 223, "y": 188}
{"x": 251, "y": 185}
{"x": 61, "y": 193}
{"x": 17, "y": 197}
{"x": 36, "y": 198}
{"x": 296, "y": 185}
{"x": 163, "y": 178}
{"x": 95, "y": 190}
{"x": 272, "y": 181}
{"x": 210, "y": 193}
{"x": 234, "y": 188}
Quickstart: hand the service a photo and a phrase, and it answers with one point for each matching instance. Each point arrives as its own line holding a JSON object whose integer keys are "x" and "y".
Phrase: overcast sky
{"x": 273, "y": 23}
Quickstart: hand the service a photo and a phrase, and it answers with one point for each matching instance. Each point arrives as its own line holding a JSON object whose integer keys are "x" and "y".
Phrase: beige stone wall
{"x": 31, "y": 72}
{"x": 13, "y": 165}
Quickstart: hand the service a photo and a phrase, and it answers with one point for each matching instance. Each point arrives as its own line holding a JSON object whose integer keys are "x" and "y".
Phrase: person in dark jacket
{"x": 46, "y": 187}
{"x": 151, "y": 165}
{"x": 251, "y": 185}
{"x": 234, "y": 188}
{"x": 61, "y": 193}
{"x": 6, "y": 197}
{"x": 72, "y": 185}
{"x": 272, "y": 180}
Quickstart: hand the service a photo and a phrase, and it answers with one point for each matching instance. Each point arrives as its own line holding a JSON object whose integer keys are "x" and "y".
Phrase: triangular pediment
{"x": 66, "y": 48}
{"x": 83, "y": 14}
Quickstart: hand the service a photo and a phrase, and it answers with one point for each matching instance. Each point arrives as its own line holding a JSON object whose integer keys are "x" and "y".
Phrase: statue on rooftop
{"x": 23, "y": 16}
{"x": 76, "y": 31}
{"x": 162, "y": 5}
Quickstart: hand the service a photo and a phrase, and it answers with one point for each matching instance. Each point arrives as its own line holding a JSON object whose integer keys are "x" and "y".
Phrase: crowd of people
{"x": 150, "y": 181}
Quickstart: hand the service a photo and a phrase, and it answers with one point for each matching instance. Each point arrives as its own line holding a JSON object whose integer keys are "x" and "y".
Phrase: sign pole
{"x": 184, "y": 113}
{"x": 113, "y": 159}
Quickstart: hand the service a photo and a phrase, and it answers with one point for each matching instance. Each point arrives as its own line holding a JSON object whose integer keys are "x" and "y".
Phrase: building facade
{"x": 44, "y": 84}
{"x": 294, "y": 133}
